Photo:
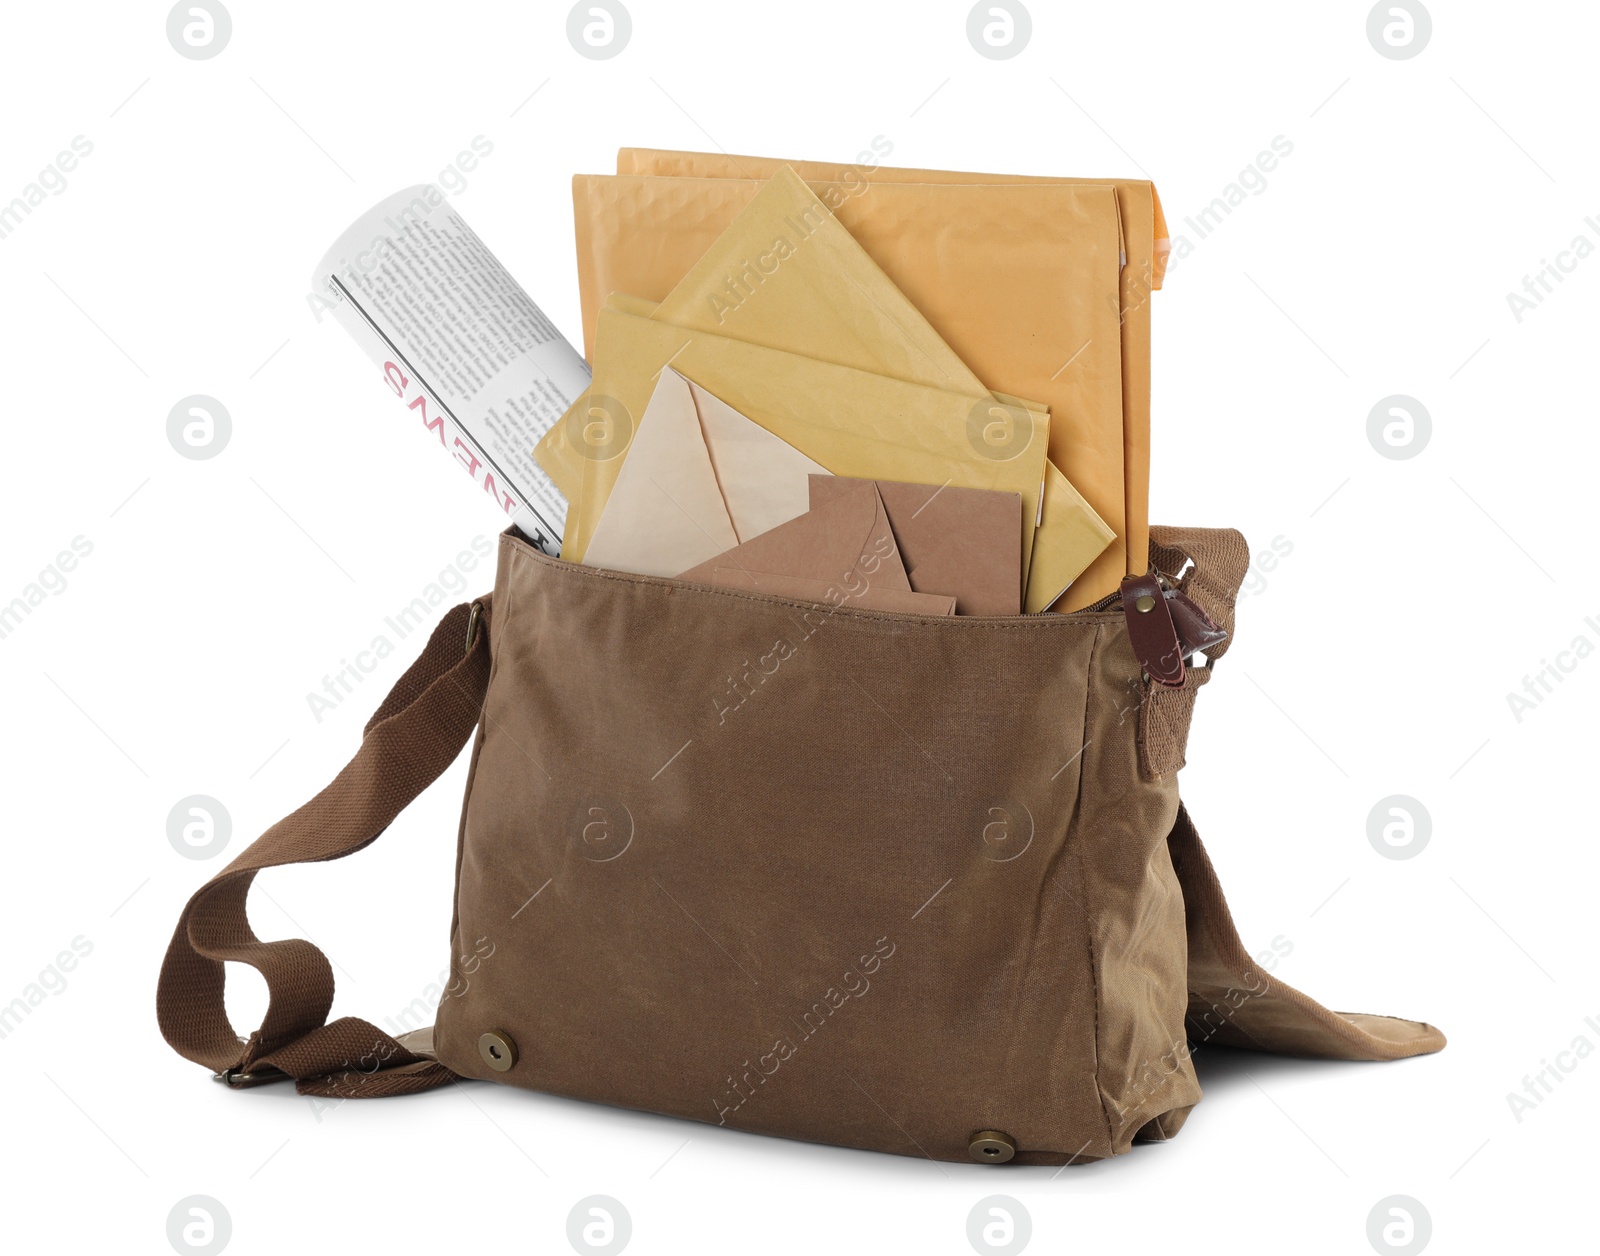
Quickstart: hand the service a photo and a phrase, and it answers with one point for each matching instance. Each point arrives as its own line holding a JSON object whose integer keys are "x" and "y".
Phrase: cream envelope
{"x": 851, "y": 422}
{"x": 699, "y": 478}
{"x": 843, "y": 552}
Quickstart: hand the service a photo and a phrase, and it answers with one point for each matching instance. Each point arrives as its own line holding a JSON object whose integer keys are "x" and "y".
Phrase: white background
{"x": 1374, "y": 659}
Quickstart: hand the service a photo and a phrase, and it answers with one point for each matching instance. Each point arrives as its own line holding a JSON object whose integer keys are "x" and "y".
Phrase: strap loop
{"x": 1214, "y": 562}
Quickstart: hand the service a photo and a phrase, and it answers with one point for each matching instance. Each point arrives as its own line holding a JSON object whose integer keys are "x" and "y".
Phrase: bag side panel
{"x": 1137, "y": 936}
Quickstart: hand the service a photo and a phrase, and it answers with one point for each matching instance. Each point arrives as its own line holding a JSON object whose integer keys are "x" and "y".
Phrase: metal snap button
{"x": 1144, "y": 603}
{"x": 991, "y": 1147}
{"x": 500, "y": 1053}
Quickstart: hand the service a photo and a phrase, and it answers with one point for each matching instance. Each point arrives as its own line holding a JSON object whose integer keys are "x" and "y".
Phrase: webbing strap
{"x": 415, "y": 735}
{"x": 1221, "y": 560}
{"x": 1232, "y": 1002}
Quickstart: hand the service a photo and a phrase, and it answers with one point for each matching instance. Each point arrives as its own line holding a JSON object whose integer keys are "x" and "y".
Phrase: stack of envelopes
{"x": 1039, "y": 286}
{"x": 805, "y": 333}
{"x": 706, "y": 494}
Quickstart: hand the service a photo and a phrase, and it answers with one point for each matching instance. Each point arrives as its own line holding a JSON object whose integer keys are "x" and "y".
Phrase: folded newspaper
{"x": 461, "y": 344}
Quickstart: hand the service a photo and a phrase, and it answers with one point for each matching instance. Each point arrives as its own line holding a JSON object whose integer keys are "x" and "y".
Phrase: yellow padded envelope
{"x": 852, "y": 422}
{"x": 1147, "y": 248}
{"x": 788, "y": 274}
{"x": 1020, "y": 280}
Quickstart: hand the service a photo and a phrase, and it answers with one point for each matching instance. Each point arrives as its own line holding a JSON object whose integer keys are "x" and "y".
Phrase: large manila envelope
{"x": 966, "y": 542}
{"x": 699, "y": 479}
{"x": 1021, "y": 281}
{"x": 851, "y": 422}
{"x": 843, "y": 552}
{"x": 681, "y": 163}
{"x": 1146, "y": 243}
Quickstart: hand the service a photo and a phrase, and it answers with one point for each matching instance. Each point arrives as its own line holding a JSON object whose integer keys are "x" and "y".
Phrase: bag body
{"x": 855, "y": 877}
{"x": 911, "y": 884}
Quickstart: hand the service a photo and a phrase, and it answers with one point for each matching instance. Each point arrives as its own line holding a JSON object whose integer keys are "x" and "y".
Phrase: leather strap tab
{"x": 1151, "y": 631}
{"x": 1196, "y": 632}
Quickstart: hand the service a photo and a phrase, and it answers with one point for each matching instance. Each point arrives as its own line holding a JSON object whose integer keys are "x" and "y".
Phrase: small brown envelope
{"x": 841, "y": 552}
{"x": 965, "y": 542}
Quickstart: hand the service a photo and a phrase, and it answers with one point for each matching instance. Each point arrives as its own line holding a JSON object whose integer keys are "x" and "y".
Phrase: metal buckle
{"x": 473, "y": 616}
{"x": 236, "y": 1079}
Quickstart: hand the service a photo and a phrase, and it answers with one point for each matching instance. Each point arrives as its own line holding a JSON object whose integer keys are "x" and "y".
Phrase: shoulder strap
{"x": 1233, "y": 1003}
{"x": 414, "y": 736}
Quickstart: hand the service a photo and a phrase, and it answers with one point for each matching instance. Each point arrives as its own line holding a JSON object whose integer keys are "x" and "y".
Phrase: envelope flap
{"x": 844, "y": 542}
{"x": 762, "y": 478}
{"x": 964, "y": 542}
{"x": 665, "y": 510}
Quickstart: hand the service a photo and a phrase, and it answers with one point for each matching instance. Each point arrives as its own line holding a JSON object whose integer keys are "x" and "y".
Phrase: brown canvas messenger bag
{"x": 913, "y": 884}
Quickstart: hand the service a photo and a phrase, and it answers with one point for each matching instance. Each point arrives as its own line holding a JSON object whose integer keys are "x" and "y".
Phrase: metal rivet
{"x": 1144, "y": 604}
{"x": 991, "y": 1147}
{"x": 497, "y": 1050}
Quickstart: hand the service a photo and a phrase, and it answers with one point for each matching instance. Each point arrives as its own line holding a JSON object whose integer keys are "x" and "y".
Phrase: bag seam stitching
{"x": 1088, "y": 924}
{"x": 472, "y": 779}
